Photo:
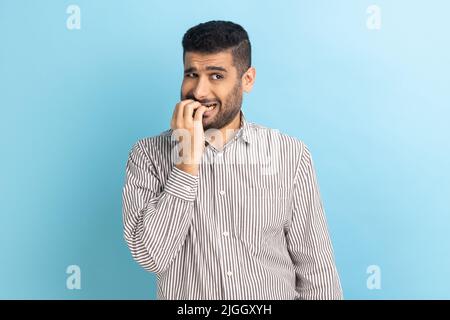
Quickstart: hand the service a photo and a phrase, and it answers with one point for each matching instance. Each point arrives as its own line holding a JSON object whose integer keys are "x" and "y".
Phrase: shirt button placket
{"x": 222, "y": 224}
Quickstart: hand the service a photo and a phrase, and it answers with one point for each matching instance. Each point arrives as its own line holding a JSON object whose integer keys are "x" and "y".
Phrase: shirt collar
{"x": 244, "y": 131}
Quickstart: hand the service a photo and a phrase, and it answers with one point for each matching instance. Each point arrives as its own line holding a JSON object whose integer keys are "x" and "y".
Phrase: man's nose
{"x": 201, "y": 91}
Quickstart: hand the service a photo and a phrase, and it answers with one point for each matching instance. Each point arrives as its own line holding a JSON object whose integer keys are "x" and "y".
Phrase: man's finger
{"x": 180, "y": 111}
{"x": 174, "y": 116}
{"x": 189, "y": 112}
{"x": 199, "y": 113}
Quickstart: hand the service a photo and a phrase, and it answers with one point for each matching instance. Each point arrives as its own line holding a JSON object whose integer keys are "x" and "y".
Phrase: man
{"x": 221, "y": 208}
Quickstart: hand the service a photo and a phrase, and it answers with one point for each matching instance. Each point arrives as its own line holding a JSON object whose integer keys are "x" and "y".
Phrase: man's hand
{"x": 184, "y": 118}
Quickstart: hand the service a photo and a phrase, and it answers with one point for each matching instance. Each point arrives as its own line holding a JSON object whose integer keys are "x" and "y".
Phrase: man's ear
{"x": 248, "y": 79}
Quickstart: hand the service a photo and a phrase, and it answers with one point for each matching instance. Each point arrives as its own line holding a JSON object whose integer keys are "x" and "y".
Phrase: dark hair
{"x": 215, "y": 36}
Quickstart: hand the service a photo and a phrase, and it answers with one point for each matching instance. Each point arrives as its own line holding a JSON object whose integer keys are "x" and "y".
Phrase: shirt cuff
{"x": 182, "y": 184}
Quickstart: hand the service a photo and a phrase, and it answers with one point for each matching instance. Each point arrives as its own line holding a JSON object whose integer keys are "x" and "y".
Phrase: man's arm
{"x": 156, "y": 222}
{"x": 156, "y": 218}
{"x": 308, "y": 240}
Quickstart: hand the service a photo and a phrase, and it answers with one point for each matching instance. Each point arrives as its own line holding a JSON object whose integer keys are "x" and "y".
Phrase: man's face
{"x": 213, "y": 79}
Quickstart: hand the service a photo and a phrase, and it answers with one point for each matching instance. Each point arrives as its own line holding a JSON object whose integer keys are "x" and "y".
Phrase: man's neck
{"x": 227, "y": 133}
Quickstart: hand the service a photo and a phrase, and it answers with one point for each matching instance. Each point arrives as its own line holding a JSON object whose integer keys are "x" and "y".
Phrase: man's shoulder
{"x": 161, "y": 138}
{"x": 264, "y": 134}
{"x": 154, "y": 145}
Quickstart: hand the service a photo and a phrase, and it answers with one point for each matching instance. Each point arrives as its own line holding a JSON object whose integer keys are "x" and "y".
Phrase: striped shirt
{"x": 250, "y": 225}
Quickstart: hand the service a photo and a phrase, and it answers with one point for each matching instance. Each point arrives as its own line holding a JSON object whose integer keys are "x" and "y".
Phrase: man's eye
{"x": 190, "y": 75}
{"x": 217, "y": 76}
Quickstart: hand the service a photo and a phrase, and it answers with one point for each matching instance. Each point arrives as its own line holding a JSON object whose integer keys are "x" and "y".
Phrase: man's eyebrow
{"x": 214, "y": 68}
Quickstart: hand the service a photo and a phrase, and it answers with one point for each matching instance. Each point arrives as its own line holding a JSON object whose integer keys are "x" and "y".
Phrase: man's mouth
{"x": 213, "y": 104}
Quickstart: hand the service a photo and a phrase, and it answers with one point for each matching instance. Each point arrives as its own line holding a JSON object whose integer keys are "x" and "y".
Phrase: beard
{"x": 226, "y": 111}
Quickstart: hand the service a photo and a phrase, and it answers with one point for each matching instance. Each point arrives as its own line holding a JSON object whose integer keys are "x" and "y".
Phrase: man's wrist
{"x": 188, "y": 168}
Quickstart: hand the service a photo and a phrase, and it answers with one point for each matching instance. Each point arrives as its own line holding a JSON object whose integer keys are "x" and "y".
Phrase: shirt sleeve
{"x": 156, "y": 217}
{"x": 308, "y": 240}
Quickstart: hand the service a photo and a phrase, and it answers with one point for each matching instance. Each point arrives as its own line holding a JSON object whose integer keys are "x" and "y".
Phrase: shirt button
{"x": 229, "y": 273}
{"x": 222, "y": 192}
{"x": 225, "y": 234}
{"x": 219, "y": 154}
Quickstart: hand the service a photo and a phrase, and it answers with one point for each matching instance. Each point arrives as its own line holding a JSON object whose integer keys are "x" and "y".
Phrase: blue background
{"x": 372, "y": 105}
